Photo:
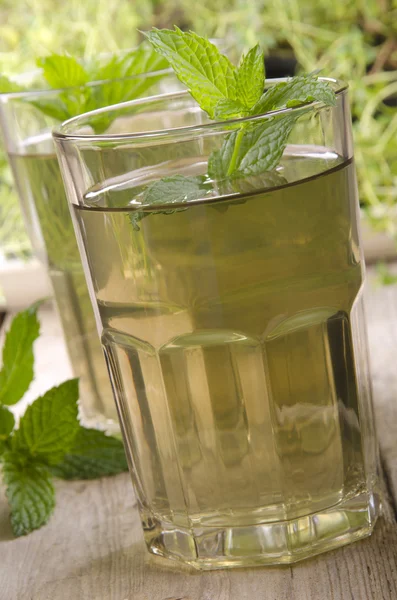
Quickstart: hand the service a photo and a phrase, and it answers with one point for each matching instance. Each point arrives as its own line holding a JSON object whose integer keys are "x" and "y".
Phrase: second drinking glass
{"x": 27, "y": 135}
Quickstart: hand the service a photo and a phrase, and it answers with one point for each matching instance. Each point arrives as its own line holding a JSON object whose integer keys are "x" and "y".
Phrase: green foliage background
{"x": 352, "y": 39}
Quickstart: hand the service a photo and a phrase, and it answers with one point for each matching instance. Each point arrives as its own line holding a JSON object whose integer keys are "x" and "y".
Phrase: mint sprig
{"x": 226, "y": 92}
{"x": 124, "y": 77}
{"x": 49, "y": 441}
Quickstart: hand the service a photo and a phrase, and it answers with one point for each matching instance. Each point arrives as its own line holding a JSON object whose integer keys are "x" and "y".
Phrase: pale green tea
{"x": 228, "y": 325}
{"x": 51, "y": 230}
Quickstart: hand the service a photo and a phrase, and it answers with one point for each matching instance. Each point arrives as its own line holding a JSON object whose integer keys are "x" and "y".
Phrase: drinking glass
{"x": 231, "y": 318}
{"x": 27, "y": 136}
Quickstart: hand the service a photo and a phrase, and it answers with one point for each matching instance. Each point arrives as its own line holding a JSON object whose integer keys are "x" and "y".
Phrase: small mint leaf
{"x": 8, "y": 87}
{"x": 92, "y": 455}
{"x": 62, "y": 71}
{"x": 262, "y": 146}
{"x": 208, "y": 74}
{"x": 176, "y": 189}
{"x": 138, "y": 61}
{"x": 252, "y": 150}
{"x": 251, "y": 77}
{"x": 16, "y": 374}
{"x": 229, "y": 109}
{"x": 219, "y": 160}
{"x": 51, "y": 107}
{"x": 29, "y": 491}
{"x": 296, "y": 91}
{"x": 7, "y": 422}
{"x": 48, "y": 428}
{"x": 126, "y": 77}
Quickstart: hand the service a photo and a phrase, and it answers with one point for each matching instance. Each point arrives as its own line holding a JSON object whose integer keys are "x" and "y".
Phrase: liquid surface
{"x": 52, "y": 235}
{"x": 228, "y": 331}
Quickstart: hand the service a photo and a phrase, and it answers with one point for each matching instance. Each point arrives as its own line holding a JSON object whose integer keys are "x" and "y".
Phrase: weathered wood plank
{"x": 92, "y": 549}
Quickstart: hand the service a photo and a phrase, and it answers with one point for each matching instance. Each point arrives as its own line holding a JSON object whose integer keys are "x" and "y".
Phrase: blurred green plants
{"x": 355, "y": 40}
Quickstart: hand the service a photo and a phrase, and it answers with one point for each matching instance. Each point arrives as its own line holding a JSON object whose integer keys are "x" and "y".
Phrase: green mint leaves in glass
{"x": 219, "y": 232}
{"x": 63, "y": 88}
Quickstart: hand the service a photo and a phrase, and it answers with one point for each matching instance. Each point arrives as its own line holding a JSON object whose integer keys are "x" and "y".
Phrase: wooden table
{"x": 92, "y": 548}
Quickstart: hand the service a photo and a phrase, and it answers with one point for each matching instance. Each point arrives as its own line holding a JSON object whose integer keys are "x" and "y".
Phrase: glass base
{"x": 276, "y": 543}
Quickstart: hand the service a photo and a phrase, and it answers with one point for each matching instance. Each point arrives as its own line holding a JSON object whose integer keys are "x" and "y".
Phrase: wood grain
{"x": 92, "y": 549}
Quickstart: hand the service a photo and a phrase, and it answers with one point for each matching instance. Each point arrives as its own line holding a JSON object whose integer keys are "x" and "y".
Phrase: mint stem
{"x": 233, "y": 160}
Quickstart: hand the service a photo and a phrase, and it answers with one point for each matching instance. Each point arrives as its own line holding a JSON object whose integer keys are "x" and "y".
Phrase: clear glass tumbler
{"x": 231, "y": 318}
{"x": 28, "y": 141}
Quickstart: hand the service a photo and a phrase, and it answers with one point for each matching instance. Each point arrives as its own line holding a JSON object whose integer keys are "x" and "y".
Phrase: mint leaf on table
{"x": 7, "y": 422}
{"x": 29, "y": 491}
{"x": 62, "y": 71}
{"x": 92, "y": 455}
{"x": 49, "y": 440}
{"x": 16, "y": 374}
{"x": 47, "y": 429}
{"x": 209, "y": 75}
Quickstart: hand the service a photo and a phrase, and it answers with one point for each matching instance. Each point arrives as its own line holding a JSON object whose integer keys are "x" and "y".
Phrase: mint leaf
{"x": 258, "y": 147}
{"x": 209, "y": 75}
{"x": 251, "y": 77}
{"x": 229, "y": 109}
{"x": 7, "y": 422}
{"x": 16, "y": 374}
{"x": 220, "y": 160}
{"x": 129, "y": 76}
{"x": 7, "y": 86}
{"x": 143, "y": 59}
{"x": 121, "y": 78}
{"x": 61, "y": 71}
{"x": 51, "y": 107}
{"x": 92, "y": 455}
{"x": 252, "y": 150}
{"x": 296, "y": 91}
{"x": 29, "y": 491}
{"x": 47, "y": 429}
{"x": 262, "y": 146}
{"x": 168, "y": 191}
{"x": 253, "y": 183}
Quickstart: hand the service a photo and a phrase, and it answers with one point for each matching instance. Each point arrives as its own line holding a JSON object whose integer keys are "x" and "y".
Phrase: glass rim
{"x": 5, "y": 96}
{"x": 60, "y": 132}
